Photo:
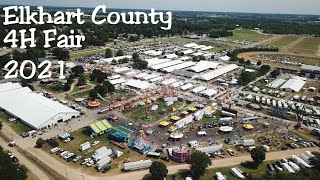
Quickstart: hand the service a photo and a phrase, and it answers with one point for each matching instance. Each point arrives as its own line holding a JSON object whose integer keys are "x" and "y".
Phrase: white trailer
{"x": 236, "y": 173}
{"x": 85, "y": 146}
{"x": 183, "y": 122}
{"x": 248, "y": 142}
{"x": 287, "y": 167}
{"x": 279, "y": 104}
{"x": 137, "y": 165}
{"x": 268, "y": 102}
{"x": 103, "y": 162}
{"x": 257, "y": 99}
{"x": 300, "y": 161}
{"x": 304, "y": 157}
{"x": 294, "y": 166}
{"x": 274, "y": 103}
{"x": 101, "y": 153}
{"x": 263, "y": 100}
{"x": 220, "y": 176}
{"x": 285, "y": 105}
{"x": 317, "y": 122}
{"x": 309, "y": 154}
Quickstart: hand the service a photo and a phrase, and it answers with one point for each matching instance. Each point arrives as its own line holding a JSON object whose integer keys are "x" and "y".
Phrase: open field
{"x": 248, "y": 35}
{"x": 306, "y": 59}
{"x": 17, "y": 127}
{"x": 283, "y": 41}
{"x": 308, "y": 45}
{"x": 86, "y": 52}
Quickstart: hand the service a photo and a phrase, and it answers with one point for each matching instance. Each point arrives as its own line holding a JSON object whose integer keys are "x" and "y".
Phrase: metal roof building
{"x": 166, "y": 64}
{"x": 203, "y": 65}
{"x": 179, "y": 66}
{"x": 138, "y": 84}
{"x": 117, "y": 81}
{"x": 208, "y": 93}
{"x": 293, "y": 85}
{"x": 169, "y": 81}
{"x": 198, "y": 89}
{"x": 186, "y": 87}
{"x": 218, "y": 72}
{"x": 155, "y": 61}
{"x": 33, "y": 109}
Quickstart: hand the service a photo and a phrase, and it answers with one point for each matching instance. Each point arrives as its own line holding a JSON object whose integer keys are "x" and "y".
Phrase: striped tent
{"x": 99, "y": 127}
{"x": 64, "y": 135}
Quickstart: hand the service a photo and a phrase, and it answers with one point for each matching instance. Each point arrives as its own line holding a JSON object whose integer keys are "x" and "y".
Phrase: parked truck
{"x": 103, "y": 162}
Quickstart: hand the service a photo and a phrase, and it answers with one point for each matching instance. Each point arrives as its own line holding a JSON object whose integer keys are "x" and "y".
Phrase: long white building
{"x": 33, "y": 109}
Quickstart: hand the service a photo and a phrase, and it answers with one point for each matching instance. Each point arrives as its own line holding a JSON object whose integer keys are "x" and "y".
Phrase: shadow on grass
{"x": 249, "y": 165}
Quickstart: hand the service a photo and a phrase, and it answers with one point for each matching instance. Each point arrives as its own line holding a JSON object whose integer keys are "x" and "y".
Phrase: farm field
{"x": 248, "y": 35}
{"x": 308, "y": 45}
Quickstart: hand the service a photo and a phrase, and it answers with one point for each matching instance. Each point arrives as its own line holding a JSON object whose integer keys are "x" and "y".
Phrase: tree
{"x": 275, "y": 73}
{"x": 264, "y": 69}
{"x": 77, "y": 70}
{"x": 158, "y": 170}
{"x": 248, "y": 62}
{"x": 1, "y": 125}
{"x": 10, "y": 169}
{"x": 108, "y": 53}
{"x": 114, "y": 62}
{"x": 98, "y": 75}
{"x": 120, "y": 53}
{"x": 40, "y": 142}
{"x": 241, "y": 61}
{"x": 82, "y": 80}
{"x": 135, "y": 56}
{"x": 93, "y": 94}
{"x": 195, "y": 58}
{"x": 315, "y": 161}
{"x": 258, "y": 155}
{"x": 259, "y": 63}
{"x": 66, "y": 87}
{"x": 60, "y": 53}
{"x": 140, "y": 64}
{"x": 202, "y": 57}
{"x": 199, "y": 161}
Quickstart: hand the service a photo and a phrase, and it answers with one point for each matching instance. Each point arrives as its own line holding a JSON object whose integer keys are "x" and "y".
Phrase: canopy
{"x": 164, "y": 123}
{"x": 175, "y": 118}
{"x": 248, "y": 126}
{"x": 176, "y": 135}
{"x": 226, "y": 128}
{"x": 185, "y": 112}
{"x": 64, "y": 135}
{"x": 192, "y": 108}
{"x": 94, "y": 104}
{"x": 79, "y": 99}
{"x": 100, "y": 126}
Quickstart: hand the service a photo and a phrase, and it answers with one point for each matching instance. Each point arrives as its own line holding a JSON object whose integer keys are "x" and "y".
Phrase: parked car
{"x": 165, "y": 158}
{"x": 107, "y": 168}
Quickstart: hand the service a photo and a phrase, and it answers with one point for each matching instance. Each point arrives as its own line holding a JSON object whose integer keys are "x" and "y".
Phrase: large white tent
{"x": 33, "y": 109}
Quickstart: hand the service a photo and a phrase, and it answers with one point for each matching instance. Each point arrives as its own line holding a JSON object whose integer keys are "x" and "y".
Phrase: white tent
{"x": 33, "y": 109}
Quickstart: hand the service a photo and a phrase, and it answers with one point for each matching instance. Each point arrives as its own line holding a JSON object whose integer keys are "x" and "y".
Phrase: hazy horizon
{"x": 311, "y": 7}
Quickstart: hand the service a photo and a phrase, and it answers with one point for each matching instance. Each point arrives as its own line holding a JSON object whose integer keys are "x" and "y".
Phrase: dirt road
{"x": 75, "y": 173}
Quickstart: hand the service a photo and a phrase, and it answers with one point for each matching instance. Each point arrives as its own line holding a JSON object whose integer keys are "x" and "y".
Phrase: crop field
{"x": 308, "y": 45}
{"x": 248, "y": 35}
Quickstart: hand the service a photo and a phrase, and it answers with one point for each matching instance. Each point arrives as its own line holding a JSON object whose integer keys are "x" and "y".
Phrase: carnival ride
{"x": 140, "y": 143}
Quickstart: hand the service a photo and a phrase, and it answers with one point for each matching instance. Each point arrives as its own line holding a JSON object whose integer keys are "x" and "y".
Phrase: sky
{"x": 252, "y": 6}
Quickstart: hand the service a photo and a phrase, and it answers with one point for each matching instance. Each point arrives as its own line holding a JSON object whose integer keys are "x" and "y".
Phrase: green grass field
{"x": 211, "y": 173}
{"x": 284, "y": 41}
{"x": 86, "y": 52}
{"x": 308, "y": 45}
{"x": 249, "y": 35}
{"x": 17, "y": 127}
